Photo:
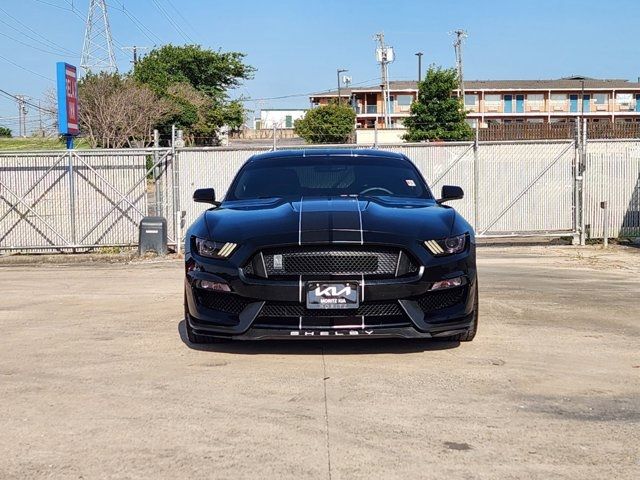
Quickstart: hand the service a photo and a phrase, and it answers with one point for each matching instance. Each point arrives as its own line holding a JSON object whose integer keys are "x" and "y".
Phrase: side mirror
{"x": 205, "y": 195}
{"x": 450, "y": 192}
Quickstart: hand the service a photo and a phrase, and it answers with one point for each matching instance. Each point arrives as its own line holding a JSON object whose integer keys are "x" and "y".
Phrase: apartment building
{"x": 368, "y": 102}
{"x": 506, "y": 101}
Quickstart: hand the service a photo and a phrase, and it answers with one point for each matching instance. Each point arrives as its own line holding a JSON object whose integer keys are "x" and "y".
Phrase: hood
{"x": 330, "y": 220}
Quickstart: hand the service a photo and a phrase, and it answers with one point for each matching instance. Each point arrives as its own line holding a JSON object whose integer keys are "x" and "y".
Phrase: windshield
{"x": 328, "y": 176}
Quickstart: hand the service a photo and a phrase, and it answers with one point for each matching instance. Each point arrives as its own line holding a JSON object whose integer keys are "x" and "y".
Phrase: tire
{"x": 470, "y": 334}
{"x": 191, "y": 335}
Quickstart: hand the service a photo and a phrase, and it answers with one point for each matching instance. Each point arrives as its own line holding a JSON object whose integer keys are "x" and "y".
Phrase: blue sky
{"x": 296, "y": 45}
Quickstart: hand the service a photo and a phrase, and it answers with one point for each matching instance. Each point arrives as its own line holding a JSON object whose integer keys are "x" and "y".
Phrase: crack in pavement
{"x": 326, "y": 412}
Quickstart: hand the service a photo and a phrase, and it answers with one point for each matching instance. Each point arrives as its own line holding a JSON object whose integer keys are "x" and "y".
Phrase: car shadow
{"x": 315, "y": 347}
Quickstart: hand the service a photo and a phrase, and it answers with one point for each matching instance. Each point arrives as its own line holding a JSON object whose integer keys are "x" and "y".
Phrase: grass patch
{"x": 38, "y": 143}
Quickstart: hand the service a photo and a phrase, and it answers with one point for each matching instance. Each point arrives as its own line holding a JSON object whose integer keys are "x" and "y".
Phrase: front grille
{"x": 283, "y": 315}
{"x": 441, "y": 299}
{"x": 373, "y": 309}
{"x": 380, "y": 262}
{"x": 222, "y": 301}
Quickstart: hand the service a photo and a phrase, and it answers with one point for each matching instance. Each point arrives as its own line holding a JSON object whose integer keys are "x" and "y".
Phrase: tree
{"x": 437, "y": 114}
{"x": 196, "y": 82}
{"x": 332, "y": 123}
{"x": 5, "y": 132}
{"x": 116, "y": 112}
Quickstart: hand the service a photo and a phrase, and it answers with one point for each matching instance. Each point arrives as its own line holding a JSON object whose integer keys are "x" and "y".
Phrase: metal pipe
{"x": 605, "y": 222}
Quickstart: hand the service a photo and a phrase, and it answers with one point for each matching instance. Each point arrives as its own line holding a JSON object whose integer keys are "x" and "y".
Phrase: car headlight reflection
{"x": 211, "y": 249}
{"x": 447, "y": 246}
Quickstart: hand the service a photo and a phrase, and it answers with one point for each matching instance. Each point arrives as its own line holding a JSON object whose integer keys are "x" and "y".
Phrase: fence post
{"x": 275, "y": 145}
{"x": 156, "y": 171}
{"x": 375, "y": 134}
{"x": 605, "y": 222}
{"x": 476, "y": 182}
{"x": 72, "y": 201}
{"x": 176, "y": 188}
{"x": 576, "y": 186}
{"x": 582, "y": 167}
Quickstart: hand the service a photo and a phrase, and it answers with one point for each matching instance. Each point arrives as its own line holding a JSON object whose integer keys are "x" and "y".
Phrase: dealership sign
{"x": 67, "y": 99}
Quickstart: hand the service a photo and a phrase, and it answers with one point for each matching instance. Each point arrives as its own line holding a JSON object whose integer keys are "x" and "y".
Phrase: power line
{"x": 17, "y": 97}
{"x": 29, "y": 45}
{"x": 26, "y": 69}
{"x": 180, "y": 15}
{"x": 177, "y": 27}
{"x": 308, "y": 94}
{"x": 146, "y": 31}
{"x": 46, "y": 40}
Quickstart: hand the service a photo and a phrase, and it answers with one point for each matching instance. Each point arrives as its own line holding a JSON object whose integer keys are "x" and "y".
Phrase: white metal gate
{"x": 78, "y": 199}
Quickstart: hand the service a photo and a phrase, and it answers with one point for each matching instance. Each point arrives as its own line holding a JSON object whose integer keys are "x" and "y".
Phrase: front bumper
{"x": 410, "y": 309}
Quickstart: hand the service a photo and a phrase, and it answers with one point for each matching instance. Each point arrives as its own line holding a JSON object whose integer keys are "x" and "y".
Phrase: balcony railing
{"x": 372, "y": 109}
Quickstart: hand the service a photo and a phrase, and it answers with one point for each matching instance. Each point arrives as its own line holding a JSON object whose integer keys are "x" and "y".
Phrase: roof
{"x": 567, "y": 83}
{"x": 326, "y": 152}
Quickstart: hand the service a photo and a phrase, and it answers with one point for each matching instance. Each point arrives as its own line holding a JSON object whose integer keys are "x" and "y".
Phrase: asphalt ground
{"x": 97, "y": 380}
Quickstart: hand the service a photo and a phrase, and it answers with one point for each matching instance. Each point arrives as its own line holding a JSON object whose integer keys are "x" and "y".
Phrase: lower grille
{"x": 222, "y": 301}
{"x": 373, "y": 309}
{"x": 442, "y": 299}
{"x": 283, "y": 315}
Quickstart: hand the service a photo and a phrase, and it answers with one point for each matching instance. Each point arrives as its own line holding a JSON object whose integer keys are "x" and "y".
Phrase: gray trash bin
{"x": 153, "y": 235}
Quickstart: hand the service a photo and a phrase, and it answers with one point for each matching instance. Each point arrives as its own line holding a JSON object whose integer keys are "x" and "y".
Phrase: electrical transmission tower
{"x": 97, "y": 49}
{"x": 457, "y": 45}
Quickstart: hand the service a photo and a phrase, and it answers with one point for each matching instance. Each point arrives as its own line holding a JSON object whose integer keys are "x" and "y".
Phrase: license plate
{"x": 329, "y": 295}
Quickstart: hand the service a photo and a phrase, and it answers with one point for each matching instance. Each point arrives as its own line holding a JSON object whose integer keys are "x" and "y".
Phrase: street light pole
{"x": 419, "y": 55}
{"x": 340, "y": 70}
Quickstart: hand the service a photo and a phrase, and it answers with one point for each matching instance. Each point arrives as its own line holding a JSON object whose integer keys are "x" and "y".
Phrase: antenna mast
{"x": 97, "y": 49}
{"x": 457, "y": 45}
{"x": 384, "y": 56}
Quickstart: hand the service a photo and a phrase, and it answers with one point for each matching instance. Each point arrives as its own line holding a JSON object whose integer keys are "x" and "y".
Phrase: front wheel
{"x": 473, "y": 328}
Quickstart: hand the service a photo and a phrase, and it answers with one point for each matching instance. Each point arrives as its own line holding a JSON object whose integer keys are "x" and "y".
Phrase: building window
{"x": 601, "y": 98}
{"x": 558, "y": 101}
{"x": 624, "y": 98}
{"x": 473, "y": 122}
{"x": 471, "y": 99}
{"x": 405, "y": 100}
{"x": 493, "y": 99}
{"x": 535, "y": 101}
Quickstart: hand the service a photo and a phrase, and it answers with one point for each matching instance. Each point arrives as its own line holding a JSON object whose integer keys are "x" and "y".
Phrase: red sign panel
{"x": 67, "y": 99}
{"x": 71, "y": 84}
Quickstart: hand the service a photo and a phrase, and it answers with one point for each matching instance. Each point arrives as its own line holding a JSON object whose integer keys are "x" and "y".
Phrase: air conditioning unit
{"x": 601, "y": 108}
{"x": 558, "y": 108}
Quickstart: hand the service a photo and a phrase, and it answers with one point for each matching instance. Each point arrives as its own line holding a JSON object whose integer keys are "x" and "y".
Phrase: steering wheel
{"x": 372, "y": 189}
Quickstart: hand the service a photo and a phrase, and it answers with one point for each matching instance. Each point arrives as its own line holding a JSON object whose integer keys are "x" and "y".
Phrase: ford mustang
{"x": 316, "y": 244}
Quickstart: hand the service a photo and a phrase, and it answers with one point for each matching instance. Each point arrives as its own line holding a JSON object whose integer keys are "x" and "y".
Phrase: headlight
{"x": 447, "y": 246}
{"x": 211, "y": 249}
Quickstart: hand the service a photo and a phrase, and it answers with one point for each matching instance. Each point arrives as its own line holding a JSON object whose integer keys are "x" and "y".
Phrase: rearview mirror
{"x": 205, "y": 195}
{"x": 450, "y": 192}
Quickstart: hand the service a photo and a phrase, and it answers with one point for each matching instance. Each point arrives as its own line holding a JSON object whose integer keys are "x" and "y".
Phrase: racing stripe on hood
{"x": 330, "y": 220}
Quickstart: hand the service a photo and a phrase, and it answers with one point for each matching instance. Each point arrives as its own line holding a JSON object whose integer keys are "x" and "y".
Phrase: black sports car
{"x": 330, "y": 244}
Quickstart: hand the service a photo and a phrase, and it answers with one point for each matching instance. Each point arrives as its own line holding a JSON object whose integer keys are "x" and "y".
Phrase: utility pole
{"x": 22, "y": 114}
{"x": 134, "y": 50}
{"x": 97, "y": 49}
{"x": 40, "y": 118}
{"x": 457, "y": 45}
{"x": 340, "y": 70}
{"x": 419, "y": 55}
{"x": 384, "y": 55}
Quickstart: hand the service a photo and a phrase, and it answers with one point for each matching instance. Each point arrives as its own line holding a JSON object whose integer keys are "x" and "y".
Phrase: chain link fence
{"x": 79, "y": 200}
